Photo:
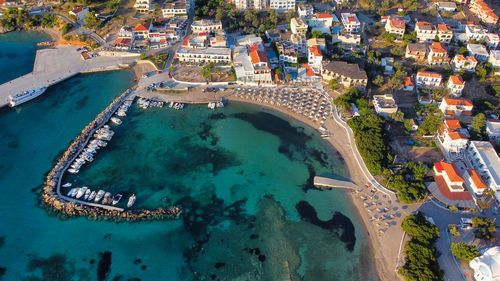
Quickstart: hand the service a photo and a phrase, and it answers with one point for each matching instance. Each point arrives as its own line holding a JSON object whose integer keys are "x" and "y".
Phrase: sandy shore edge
{"x": 380, "y": 254}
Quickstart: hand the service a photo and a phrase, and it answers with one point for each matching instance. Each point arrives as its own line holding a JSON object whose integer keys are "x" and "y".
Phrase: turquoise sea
{"x": 242, "y": 175}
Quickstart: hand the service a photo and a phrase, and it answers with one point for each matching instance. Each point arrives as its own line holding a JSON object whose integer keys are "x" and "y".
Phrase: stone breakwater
{"x": 55, "y": 202}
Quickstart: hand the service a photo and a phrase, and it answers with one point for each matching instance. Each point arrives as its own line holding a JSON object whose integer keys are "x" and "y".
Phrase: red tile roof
{"x": 77, "y": 10}
{"x": 258, "y": 56}
{"x": 324, "y": 15}
{"x": 429, "y": 74}
{"x": 457, "y": 136}
{"x": 455, "y": 102}
{"x": 450, "y": 169}
{"x": 123, "y": 41}
{"x": 460, "y": 57}
{"x": 444, "y": 27}
{"x": 397, "y": 23}
{"x": 142, "y": 26}
{"x": 476, "y": 179}
{"x": 409, "y": 81}
{"x": 437, "y": 47}
{"x": 423, "y": 23}
{"x": 452, "y": 123}
{"x": 315, "y": 50}
{"x": 457, "y": 80}
{"x": 445, "y": 191}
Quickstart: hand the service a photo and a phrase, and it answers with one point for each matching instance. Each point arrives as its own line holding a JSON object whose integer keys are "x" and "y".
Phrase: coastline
{"x": 381, "y": 248}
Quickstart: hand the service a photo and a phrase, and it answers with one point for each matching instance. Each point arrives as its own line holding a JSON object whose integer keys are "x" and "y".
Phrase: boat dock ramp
{"x": 333, "y": 183}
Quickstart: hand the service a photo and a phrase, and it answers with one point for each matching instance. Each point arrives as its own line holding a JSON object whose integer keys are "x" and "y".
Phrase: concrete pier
{"x": 333, "y": 183}
{"x": 55, "y": 65}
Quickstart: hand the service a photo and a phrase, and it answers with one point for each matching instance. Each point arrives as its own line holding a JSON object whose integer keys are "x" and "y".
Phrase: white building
{"x": 314, "y": 56}
{"x": 487, "y": 266}
{"x": 494, "y": 58}
{"x": 385, "y": 105}
{"x": 445, "y": 33}
{"x": 80, "y": 13}
{"x": 351, "y": 22}
{"x": 451, "y": 175}
{"x": 179, "y": 8}
{"x": 298, "y": 26}
{"x": 483, "y": 158}
{"x": 200, "y": 26}
{"x": 426, "y": 32}
{"x": 197, "y": 55}
{"x": 452, "y": 136}
{"x": 437, "y": 54}
{"x": 282, "y": 5}
{"x": 446, "y": 6}
{"x": 493, "y": 129}
{"x": 456, "y": 107}
{"x": 346, "y": 39}
{"x": 243, "y": 66}
{"x": 262, "y": 71}
{"x": 460, "y": 62}
{"x": 395, "y": 25}
{"x": 492, "y": 40}
{"x": 426, "y": 78}
{"x": 478, "y": 51}
{"x": 455, "y": 85}
{"x": 143, "y": 6}
{"x": 305, "y": 10}
{"x": 321, "y": 21}
{"x": 248, "y": 40}
{"x": 474, "y": 182}
{"x": 141, "y": 31}
{"x": 474, "y": 32}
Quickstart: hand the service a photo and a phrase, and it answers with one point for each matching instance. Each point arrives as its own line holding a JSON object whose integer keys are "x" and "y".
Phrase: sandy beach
{"x": 385, "y": 246}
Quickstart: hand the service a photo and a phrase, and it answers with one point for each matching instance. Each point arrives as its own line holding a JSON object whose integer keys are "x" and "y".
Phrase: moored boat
{"x": 70, "y": 192}
{"x": 92, "y": 195}
{"x": 68, "y": 184}
{"x": 25, "y": 96}
{"x": 117, "y": 198}
{"x": 73, "y": 171}
{"x": 116, "y": 120}
{"x": 87, "y": 194}
{"x": 107, "y": 198}
{"x": 99, "y": 195}
{"x": 81, "y": 192}
{"x": 131, "y": 200}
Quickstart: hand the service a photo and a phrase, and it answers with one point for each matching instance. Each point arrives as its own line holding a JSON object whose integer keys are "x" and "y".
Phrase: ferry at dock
{"x": 25, "y": 96}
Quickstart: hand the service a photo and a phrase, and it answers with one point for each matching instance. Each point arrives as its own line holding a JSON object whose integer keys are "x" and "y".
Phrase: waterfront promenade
{"x": 57, "y": 64}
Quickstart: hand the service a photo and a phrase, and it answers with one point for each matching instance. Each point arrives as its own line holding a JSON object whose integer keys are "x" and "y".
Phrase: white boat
{"x": 211, "y": 105}
{"x": 87, "y": 194}
{"x": 73, "y": 171}
{"x": 25, "y": 96}
{"x": 131, "y": 201}
{"x": 171, "y": 104}
{"x": 68, "y": 184}
{"x": 107, "y": 198}
{"x": 117, "y": 198}
{"x": 81, "y": 192}
{"x": 220, "y": 104}
{"x": 92, "y": 195}
{"x": 71, "y": 191}
{"x": 99, "y": 195}
{"x": 121, "y": 113}
{"x": 115, "y": 120}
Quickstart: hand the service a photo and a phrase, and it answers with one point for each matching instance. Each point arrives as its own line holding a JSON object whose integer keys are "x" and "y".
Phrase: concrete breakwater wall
{"x": 55, "y": 202}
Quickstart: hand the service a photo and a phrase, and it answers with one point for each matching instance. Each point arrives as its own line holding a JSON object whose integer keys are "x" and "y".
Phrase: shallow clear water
{"x": 242, "y": 174}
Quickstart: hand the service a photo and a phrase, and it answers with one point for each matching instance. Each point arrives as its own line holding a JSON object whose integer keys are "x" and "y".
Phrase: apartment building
{"x": 455, "y": 85}
{"x": 351, "y": 22}
{"x": 427, "y": 78}
{"x": 418, "y": 51}
{"x": 348, "y": 75}
{"x": 456, "y": 107}
{"x": 395, "y": 25}
{"x": 437, "y": 54}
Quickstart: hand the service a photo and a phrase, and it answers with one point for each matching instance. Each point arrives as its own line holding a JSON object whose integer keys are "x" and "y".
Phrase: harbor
{"x": 54, "y": 199}
{"x": 54, "y": 65}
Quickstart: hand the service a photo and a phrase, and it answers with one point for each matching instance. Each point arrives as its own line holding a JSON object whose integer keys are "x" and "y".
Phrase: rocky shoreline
{"x": 55, "y": 203}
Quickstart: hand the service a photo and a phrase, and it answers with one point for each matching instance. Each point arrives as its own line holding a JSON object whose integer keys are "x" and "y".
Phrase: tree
{"x": 397, "y": 116}
{"x": 464, "y": 251}
{"x": 417, "y": 169}
{"x": 390, "y": 37}
{"x": 316, "y": 33}
{"x": 91, "y": 21}
{"x": 430, "y": 124}
{"x": 378, "y": 81}
{"x": 397, "y": 51}
{"x": 278, "y": 70}
{"x": 333, "y": 84}
{"x": 372, "y": 141}
{"x": 207, "y": 71}
{"x": 478, "y": 125}
{"x": 420, "y": 229}
{"x": 484, "y": 228}
{"x": 462, "y": 50}
{"x": 481, "y": 73}
{"x": 395, "y": 83}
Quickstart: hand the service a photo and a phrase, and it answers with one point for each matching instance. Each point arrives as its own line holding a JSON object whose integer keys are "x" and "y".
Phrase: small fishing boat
{"x": 87, "y": 194}
{"x": 68, "y": 184}
{"x": 99, "y": 195}
{"x": 73, "y": 171}
{"x": 71, "y": 191}
{"x": 117, "y": 198}
{"x": 116, "y": 120}
{"x": 92, "y": 195}
{"x": 131, "y": 201}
